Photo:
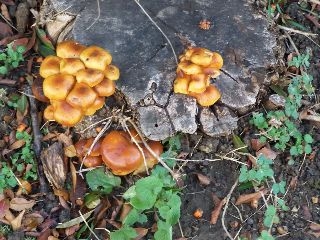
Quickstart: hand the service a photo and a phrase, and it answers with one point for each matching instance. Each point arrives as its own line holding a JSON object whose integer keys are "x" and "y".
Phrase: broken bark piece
{"x": 22, "y": 15}
{"x": 54, "y": 166}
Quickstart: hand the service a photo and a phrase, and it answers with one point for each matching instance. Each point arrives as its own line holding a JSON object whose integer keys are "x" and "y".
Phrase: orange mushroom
{"x": 96, "y": 58}
{"x": 208, "y": 97}
{"x": 69, "y": 49}
{"x": 96, "y": 105}
{"x": 89, "y": 76}
{"x": 198, "y": 83}
{"x": 71, "y": 66}
{"x": 105, "y": 88}
{"x": 217, "y": 61}
{"x": 48, "y": 113}
{"x": 92, "y": 161}
{"x": 57, "y": 87}
{"x": 81, "y": 96}
{"x": 65, "y": 114}
{"x": 119, "y": 154}
{"x": 157, "y": 148}
{"x": 112, "y": 72}
{"x": 201, "y": 56}
{"x": 189, "y": 68}
{"x": 50, "y": 66}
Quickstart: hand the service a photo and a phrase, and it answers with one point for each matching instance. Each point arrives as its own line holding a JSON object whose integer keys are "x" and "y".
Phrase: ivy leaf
{"x": 133, "y": 217}
{"x": 99, "y": 180}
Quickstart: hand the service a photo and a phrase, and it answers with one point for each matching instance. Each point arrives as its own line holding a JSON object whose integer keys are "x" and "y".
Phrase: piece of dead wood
{"x": 204, "y": 180}
{"x": 309, "y": 115}
{"x": 217, "y": 209}
{"x": 252, "y": 198}
{"x": 53, "y": 165}
{"x": 22, "y": 15}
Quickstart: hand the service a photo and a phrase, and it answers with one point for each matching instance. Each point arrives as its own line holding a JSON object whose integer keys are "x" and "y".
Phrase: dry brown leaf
{"x": 204, "y": 180}
{"x": 306, "y": 212}
{"x": 293, "y": 182}
{"x": 141, "y": 233}
{"x": 61, "y": 193}
{"x": 52, "y": 238}
{"x": 32, "y": 221}
{"x": 65, "y": 139}
{"x": 216, "y": 211}
{"x": 126, "y": 208}
{"x": 19, "y": 204}
{"x": 71, "y": 230}
{"x": 256, "y": 145}
{"x": 5, "y": 30}
{"x": 4, "y": 207}
{"x": 250, "y": 198}
{"x": 17, "y": 144}
{"x": 16, "y": 223}
{"x": 315, "y": 229}
{"x": 5, "y": 12}
{"x": 267, "y": 152}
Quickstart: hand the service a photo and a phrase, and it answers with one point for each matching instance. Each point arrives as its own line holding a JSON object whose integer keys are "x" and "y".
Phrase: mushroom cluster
{"x": 197, "y": 66}
{"x": 118, "y": 150}
{"x": 77, "y": 81}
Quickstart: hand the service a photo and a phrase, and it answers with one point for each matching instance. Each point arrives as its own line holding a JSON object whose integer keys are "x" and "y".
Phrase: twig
{"x": 8, "y": 22}
{"x": 292, "y": 43}
{"x": 97, "y": 18}
{"x": 226, "y": 207}
{"x": 207, "y": 160}
{"x": 182, "y": 235}
{"x": 304, "y": 159}
{"x": 296, "y": 31}
{"x": 85, "y": 221}
{"x": 37, "y": 136}
{"x": 154, "y": 23}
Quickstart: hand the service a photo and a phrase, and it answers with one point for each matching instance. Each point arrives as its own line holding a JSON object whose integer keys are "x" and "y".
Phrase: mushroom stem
{"x": 174, "y": 175}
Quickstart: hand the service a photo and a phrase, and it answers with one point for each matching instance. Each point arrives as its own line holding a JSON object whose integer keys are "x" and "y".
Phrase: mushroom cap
{"x": 89, "y": 76}
{"x": 198, "y": 83}
{"x": 37, "y": 90}
{"x": 157, "y": 148}
{"x": 50, "y": 66}
{"x": 135, "y": 135}
{"x": 181, "y": 85}
{"x": 208, "y": 97}
{"x": 188, "y": 53}
{"x": 119, "y": 154}
{"x": 71, "y": 65}
{"x": 92, "y": 161}
{"x": 189, "y": 68}
{"x": 83, "y": 146}
{"x": 57, "y": 87}
{"x": 112, "y": 72}
{"x": 96, "y": 57}
{"x": 211, "y": 71}
{"x": 65, "y": 114}
{"x": 217, "y": 61}
{"x": 202, "y": 57}
{"x": 96, "y": 105}
{"x": 48, "y": 113}
{"x": 105, "y": 88}
{"x": 69, "y": 49}
{"x": 81, "y": 96}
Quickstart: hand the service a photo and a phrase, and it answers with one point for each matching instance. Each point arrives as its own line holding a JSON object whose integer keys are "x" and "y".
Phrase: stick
{"x": 296, "y": 31}
{"x": 37, "y": 137}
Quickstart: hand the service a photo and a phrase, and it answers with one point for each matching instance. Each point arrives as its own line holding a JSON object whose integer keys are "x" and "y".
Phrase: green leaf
{"x": 238, "y": 143}
{"x": 45, "y": 51}
{"x": 164, "y": 231}
{"x": 294, "y": 151}
{"x": 22, "y": 103}
{"x": 134, "y": 216}
{"x": 3, "y": 70}
{"x": 170, "y": 208}
{"x": 99, "y": 180}
{"x": 277, "y": 89}
{"x": 265, "y": 235}
{"x": 41, "y": 34}
{"x": 279, "y": 187}
{"x": 308, "y": 138}
{"x": 124, "y": 233}
{"x": 307, "y": 149}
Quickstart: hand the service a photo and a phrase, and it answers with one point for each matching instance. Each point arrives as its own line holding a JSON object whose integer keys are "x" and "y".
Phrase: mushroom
{"x": 202, "y": 57}
{"x": 217, "y": 61}
{"x": 105, "y": 88}
{"x": 181, "y": 85}
{"x": 57, "y": 87}
{"x": 69, "y": 49}
{"x": 112, "y": 72}
{"x": 189, "y": 68}
{"x": 71, "y": 66}
{"x": 208, "y": 97}
{"x": 50, "y": 66}
{"x": 94, "y": 159}
{"x": 120, "y": 154}
{"x": 89, "y": 76}
{"x": 48, "y": 113}
{"x": 157, "y": 148}
{"x": 81, "y": 96}
{"x": 96, "y": 58}
{"x": 211, "y": 71}
{"x": 198, "y": 83}
{"x": 65, "y": 114}
{"x": 96, "y": 105}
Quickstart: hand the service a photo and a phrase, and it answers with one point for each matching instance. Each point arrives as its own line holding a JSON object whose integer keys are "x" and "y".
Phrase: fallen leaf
{"x": 71, "y": 230}
{"x": 141, "y": 233}
{"x": 5, "y": 30}
{"x": 204, "y": 180}
{"x": 306, "y": 212}
{"x": 16, "y": 223}
{"x": 70, "y": 151}
{"x": 309, "y": 115}
{"x": 217, "y": 209}
{"x": 32, "y": 221}
{"x": 315, "y": 229}
{"x": 293, "y": 182}
{"x": 5, "y": 12}
{"x": 4, "y": 207}
{"x": 126, "y": 208}
{"x": 17, "y": 144}
{"x": 256, "y": 145}
{"x": 19, "y": 204}
{"x": 65, "y": 139}
{"x": 267, "y": 152}
{"x": 75, "y": 221}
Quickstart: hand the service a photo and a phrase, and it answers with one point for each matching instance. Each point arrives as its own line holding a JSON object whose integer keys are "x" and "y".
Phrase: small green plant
{"x": 10, "y": 58}
{"x": 7, "y": 177}
{"x": 258, "y": 175}
{"x": 156, "y": 192}
{"x": 274, "y": 6}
